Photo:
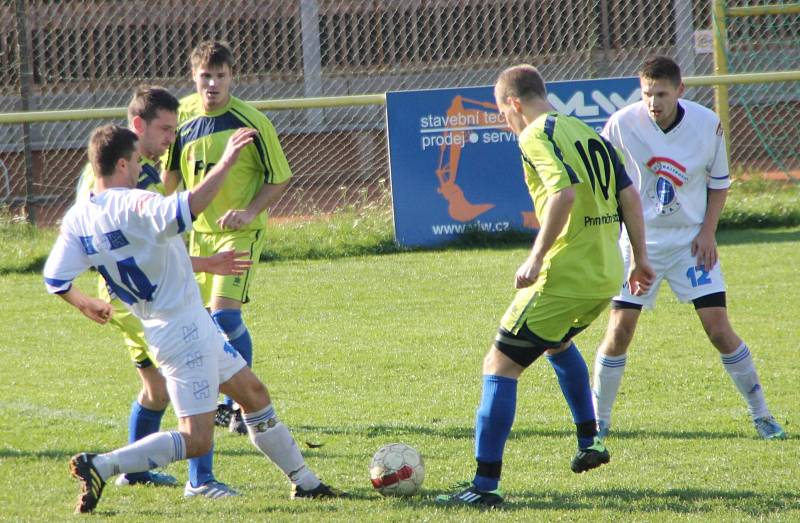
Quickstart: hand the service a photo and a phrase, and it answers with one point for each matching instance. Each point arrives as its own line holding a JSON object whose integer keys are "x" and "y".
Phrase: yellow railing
{"x": 103, "y": 113}
{"x": 719, "y": 14}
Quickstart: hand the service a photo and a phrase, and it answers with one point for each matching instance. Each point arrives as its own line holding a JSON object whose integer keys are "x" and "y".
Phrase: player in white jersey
{"x": 132, "y": 237}
{"x": 152, "y": 115}
{"x": 675, "y": 154}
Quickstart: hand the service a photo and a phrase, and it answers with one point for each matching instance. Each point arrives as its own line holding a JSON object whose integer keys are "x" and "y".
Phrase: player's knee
{"x": 154, "y": 393}
{"x": 198, "y": 443}
{"x": 618, "y": 338}
{"x": 618, "y": 344}
{"x": 497, "y": 363}
{"x": 160, "y": 397}
{"x": 492, "y": 363}
{"x": 723, "y": 338}
{"x": 153, "y": 400}
{"x": 488, "y": 362}
{"x": 252, "y": 394}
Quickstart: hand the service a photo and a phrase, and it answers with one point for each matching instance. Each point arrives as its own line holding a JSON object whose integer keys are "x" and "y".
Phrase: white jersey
{"x": 132, "y": 237}
{"x": 672, "y": 170}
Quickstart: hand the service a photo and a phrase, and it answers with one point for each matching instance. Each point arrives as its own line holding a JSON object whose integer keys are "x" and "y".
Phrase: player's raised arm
{"x": 266, "y": 196}
{"x": 171, "y": 180}
{"x": 276, "y": 177}
{"x": 201, "y": 196}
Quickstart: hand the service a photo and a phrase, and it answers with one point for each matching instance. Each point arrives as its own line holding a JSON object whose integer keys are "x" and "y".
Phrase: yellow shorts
{"x": 207, "y": 244}
{"x": 552, "y": 319}
{"x": 130, "y": 327}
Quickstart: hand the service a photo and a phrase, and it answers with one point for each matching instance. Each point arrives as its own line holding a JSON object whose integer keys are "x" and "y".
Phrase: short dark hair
{"x": 107, "y": 145}
{"x": 659, "y": 67}
{"x": 147, "y": 100}
{"x": 521, "y": 81}
{"x": 211, "y": 54}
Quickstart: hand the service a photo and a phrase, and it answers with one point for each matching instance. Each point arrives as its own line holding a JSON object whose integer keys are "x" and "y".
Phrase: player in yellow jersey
{"x": 578, "y": 185}
{"x": 236, "y": 218}
{"x": 152, "y": 116}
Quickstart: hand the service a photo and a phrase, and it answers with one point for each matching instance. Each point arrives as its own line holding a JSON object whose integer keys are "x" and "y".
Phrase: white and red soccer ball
{"x": 397, "y": 470}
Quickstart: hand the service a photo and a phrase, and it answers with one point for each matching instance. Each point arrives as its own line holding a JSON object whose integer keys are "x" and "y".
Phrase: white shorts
{"x": 194, "y": 358}
{"x": 675, "y": 264}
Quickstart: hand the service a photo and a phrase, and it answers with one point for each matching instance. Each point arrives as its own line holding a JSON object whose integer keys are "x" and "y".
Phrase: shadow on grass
{"x": 473, "y": 240}
{"x": 450, "y": 432}
{"x": 34, "y": 265}
{"x": 632, "y": 501}
{"x": 750, "y": 236}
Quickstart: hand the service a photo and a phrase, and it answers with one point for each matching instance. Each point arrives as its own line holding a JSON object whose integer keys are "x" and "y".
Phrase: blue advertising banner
{"x": 455, "y": 165}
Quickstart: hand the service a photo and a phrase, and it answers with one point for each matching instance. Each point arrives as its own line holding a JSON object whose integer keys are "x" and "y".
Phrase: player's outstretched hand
{"x": 243, "y": 137}
{"x": 641, "y": 278}
{"x": 704, "y": 247}
{"x": 236, "y": 219}
{"x": 96, "y": 310}
{"x": 228, "y": 263}
{"x": 527, "y": 274}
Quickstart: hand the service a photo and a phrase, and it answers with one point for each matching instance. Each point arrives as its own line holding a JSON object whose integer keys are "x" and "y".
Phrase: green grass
{"x": 362, "y": 351}
{"x": 761, "y": 203}
{"x": 367, "y": 229}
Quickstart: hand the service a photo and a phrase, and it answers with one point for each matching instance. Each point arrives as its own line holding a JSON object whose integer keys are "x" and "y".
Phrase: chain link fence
{"x": 92, "y": 53}
{"x": 765, "y": 117}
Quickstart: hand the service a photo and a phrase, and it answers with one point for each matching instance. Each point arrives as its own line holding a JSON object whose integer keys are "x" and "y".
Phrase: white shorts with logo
{"x": 673, "y": 262}
{"x": 194, "y": 358}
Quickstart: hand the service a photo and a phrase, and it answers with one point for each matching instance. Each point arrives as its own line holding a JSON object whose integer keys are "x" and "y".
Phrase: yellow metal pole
{"x": 720, "y": 37}
{"x": 114, "y": 113}
{"x": 743, "y": 78}
{"x": 119, "y": 113}
{"x": 761, "y": 10}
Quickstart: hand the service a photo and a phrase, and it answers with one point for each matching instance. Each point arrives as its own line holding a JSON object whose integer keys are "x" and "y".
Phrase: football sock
{"x": 155, "y": 450}
{"x": 608, "y": 371}
{"x": 142, "y": 422}
{"x": 742, "y": 371}
{"x": 573, "y": 377}
{"x": 200, "y": 469}
{"x": 493, "y": 422}
{"x": 229, "y": 322}
{"x": 274, "y": 440}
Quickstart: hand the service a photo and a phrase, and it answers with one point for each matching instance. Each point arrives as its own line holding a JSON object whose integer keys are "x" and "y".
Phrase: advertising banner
{"x": 455, "y": 165}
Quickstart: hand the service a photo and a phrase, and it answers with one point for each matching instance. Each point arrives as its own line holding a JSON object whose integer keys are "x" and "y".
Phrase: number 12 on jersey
{"x": 698, "y": 275}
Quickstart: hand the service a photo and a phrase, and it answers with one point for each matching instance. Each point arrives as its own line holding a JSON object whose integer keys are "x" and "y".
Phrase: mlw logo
{"x": 577, "y": 105}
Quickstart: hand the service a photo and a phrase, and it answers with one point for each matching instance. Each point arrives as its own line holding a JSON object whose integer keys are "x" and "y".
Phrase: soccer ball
{"x": 397, "y": 470}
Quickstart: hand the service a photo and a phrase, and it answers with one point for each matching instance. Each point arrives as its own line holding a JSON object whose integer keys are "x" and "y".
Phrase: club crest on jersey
{"x": 669, "y": 174}
{"x": 668, "y": 168}
{"x": 664, "y": 196}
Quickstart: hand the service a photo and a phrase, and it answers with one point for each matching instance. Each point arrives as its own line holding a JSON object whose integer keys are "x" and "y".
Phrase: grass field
{"x": 363, "y": 351}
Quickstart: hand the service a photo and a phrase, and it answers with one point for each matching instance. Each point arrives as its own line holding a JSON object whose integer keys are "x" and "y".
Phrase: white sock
{"x": 742, "y": 371}
{"x": 608, "y": 372}
{"x": 275, "y": 441}
{"x": 155, "y": 450}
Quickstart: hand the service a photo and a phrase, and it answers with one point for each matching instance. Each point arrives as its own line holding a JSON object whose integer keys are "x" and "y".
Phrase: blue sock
{"x": 229, "y": 321}
{"x": 573, "y": 376}
{"x": 142, "y": 422}
{"x": 200, "y": 469}
{"x": 493, "y": 422}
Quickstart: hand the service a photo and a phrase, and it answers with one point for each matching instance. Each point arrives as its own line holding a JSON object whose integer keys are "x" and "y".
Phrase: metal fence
{"x": 91, "y": 53}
